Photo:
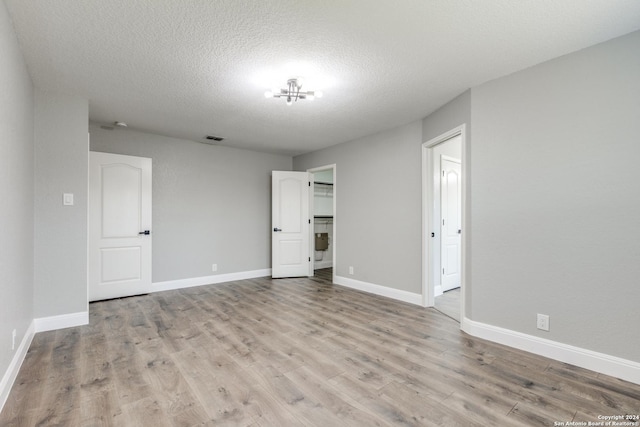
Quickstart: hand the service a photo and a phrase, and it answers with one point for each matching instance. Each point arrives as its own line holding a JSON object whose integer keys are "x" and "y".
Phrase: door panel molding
{"x": 119, "y": 251}
{"x": 450, "y": 208}
{"x": 290, "y": 224}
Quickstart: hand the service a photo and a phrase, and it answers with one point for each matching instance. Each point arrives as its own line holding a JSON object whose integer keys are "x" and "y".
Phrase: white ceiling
{"x": 188, "y": 68}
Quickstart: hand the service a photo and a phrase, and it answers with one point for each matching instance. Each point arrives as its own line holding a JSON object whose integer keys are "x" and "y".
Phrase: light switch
{"x": 67, "y": 199}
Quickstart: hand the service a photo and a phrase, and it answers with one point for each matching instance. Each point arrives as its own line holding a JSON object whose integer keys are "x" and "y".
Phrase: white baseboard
{"x": 14, "y": 367}
{"x": 384, "y": 291}
{"x": 437, "y": 291}
{"x": 208, "y": 280}
{"x": 322, "y": 264}
{"x": 599, "y": 362}
{"x": 62, "y": 321}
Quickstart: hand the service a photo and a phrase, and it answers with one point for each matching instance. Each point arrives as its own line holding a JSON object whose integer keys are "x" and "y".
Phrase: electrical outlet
{"x": 351, "y": 270}
{"x": 214, "y": 267}
{"x": 67, "y": 199}
{"x": 13, "y": 340}
{"x": 543, "y": 322}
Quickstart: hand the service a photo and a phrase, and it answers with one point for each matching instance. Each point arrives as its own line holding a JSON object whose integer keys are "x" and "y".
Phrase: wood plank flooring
{"x": 292, "y": 352}
{"x": 449, "y": 304}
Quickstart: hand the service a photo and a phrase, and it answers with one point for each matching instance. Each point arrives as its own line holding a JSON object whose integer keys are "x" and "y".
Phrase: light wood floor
{"x": 292, "y": 352}
{"x": 449, "y": 304}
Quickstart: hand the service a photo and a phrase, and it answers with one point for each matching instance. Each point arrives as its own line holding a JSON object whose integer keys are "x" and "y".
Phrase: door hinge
{"x": 443, "y": 271}
{"x": 433, "y": 234}
{"x": 309, "y": 183}
{"x": 442, "y": 173}
{"x": 309, "y": 221}
{"x": 309, "y": 259}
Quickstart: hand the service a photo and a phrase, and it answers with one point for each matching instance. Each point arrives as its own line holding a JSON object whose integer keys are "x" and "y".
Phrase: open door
{"x": 290, "y": 223}
{"x": 450, "y": 205}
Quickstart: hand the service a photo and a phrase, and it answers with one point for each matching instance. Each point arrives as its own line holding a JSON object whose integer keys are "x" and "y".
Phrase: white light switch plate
{"x": 67, "y": 199}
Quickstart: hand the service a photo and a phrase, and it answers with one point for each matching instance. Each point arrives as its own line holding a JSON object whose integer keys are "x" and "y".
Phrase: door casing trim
{"x": 428, "y": 286}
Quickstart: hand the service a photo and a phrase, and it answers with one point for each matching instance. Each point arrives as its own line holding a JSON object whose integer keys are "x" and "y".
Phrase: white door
{"x": 290, "y": 224}
{"x": 119, "y": 225}
{"x": 451, "y": 206}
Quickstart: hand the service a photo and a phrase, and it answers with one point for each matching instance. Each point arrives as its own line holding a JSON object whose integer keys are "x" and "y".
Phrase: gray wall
{"x": 552, "y": 199}
{"x": 451, "y": 115}
{"x": 16, "y": 191}
{"x": 378, "y": 206}
{"x": 61, "y": 166}
{"x": 211, "y": 204}
{"x": 556, "y": 207}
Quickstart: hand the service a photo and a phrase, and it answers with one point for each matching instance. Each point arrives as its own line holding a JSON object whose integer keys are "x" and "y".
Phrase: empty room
{"x": 312, "y": 213}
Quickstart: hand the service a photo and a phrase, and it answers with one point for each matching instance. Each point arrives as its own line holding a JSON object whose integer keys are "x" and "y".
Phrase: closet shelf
{"x": 323, "y": 216}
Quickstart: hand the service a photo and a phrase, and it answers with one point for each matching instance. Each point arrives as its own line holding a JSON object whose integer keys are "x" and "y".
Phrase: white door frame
{"x": 335, "y": 216}
{"x": 428, "y": 285}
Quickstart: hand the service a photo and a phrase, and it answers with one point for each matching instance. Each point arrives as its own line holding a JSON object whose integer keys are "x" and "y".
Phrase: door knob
{"x": 277, "y": 229}
{"x": 145, "y": 232}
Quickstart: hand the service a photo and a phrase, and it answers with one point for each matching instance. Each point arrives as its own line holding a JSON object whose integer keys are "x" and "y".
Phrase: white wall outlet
{"x": 543, "y": 322}
{"x": 67, "y": 199}
{"x": 214, "y": 267}
{"x": 351, "y": 270}
{"x": 13, "y": 340}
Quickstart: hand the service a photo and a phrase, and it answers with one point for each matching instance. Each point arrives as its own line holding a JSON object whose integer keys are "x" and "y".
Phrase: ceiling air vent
{"x": 210, "y": 139}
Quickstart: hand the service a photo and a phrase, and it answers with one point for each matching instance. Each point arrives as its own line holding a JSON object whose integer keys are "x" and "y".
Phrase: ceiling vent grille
{"x": 211, "y": 139}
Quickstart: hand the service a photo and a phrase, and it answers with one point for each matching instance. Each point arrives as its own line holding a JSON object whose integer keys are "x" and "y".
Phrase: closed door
{"x": 450, "y": 203}
{"x": 290, "y": 224}
{"x": 119, "y": 225}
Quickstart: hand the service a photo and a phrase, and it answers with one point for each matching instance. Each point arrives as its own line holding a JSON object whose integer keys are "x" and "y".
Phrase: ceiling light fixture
{"x": 292, "y": 93}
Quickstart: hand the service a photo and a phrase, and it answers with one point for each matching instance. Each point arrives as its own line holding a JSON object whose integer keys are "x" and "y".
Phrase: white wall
{"x": 61, "y": 166}
{"x": 16, "y": 193}
{"x": 211, "y": 204}
{"x": 378, "y": 215}
{"x": 323, "y": 176}
{"x": 555, "y": 199}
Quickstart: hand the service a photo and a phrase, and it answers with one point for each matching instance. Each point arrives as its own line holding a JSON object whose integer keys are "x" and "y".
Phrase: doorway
{"x": 324, "y": 221}
{"x": 443, "y": 169}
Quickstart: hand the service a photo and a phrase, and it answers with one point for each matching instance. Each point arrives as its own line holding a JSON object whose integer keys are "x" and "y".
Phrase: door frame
{"x": 428, "y": 285}
{"x": 335, "y": 221}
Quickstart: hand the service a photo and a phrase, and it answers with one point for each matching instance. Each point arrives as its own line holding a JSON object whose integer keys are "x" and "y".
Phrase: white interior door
{"x": 451, "y": 201}
{"x": 119, "y": 225}
{"x": 291, "y": 224}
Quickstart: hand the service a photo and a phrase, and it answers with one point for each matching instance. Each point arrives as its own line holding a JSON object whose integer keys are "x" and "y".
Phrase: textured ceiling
{"x": 188, "y": 68}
